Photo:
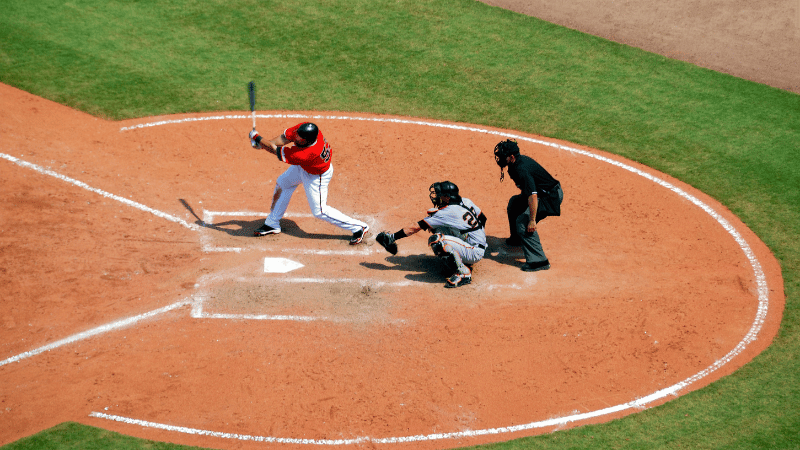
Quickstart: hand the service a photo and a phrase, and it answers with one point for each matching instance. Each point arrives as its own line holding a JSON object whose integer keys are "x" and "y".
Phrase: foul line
{"x": 83, "y": 185}
{"x": 95, "y": 331}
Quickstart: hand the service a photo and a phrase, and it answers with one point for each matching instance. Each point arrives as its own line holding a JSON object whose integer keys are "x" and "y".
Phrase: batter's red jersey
{"x": 314, "y": 159}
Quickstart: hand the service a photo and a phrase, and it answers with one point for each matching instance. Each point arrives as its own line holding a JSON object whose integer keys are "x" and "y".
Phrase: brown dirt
{"x": 646, "y": 289}
{"x": 756, "y": 40}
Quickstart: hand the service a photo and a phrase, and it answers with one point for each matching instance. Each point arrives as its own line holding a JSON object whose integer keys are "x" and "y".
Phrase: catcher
{"x": 457, "y": 226}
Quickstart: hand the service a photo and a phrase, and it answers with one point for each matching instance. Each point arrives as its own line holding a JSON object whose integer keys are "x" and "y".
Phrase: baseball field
{"x": 139, "y": 312}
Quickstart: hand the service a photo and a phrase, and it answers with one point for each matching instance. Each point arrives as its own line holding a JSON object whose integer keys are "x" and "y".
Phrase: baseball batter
{"x": 457, "y": 226}
{"x": 309, "y": 154}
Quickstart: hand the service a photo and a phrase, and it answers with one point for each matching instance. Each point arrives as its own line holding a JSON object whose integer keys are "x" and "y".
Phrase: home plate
{"x": 280, "y": 265}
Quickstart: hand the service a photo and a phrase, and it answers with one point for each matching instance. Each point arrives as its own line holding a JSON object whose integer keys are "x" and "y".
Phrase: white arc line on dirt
{"x": 83, "y": 185}
{"x": 554, "y": 422}
{"x": 95, "y": 331}
{"x": 762, "y": 289}
{"x": 242, "y": 437}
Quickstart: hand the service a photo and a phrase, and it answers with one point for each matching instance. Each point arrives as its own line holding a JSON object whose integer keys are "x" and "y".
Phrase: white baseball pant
{"x": 463, "y": 253}
{"x": 316, "y": 187}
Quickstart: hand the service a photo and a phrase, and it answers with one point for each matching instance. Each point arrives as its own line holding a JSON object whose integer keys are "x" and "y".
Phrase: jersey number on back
{"x": 470, "y": 219}
{"x": 326, "y": 152}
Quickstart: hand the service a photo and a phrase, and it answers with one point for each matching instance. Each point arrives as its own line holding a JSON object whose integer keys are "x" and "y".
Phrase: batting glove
{"x": 255, "y": 139}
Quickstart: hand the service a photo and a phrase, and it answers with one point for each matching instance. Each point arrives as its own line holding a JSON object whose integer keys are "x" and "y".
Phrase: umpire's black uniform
{"x": 531, "y": 178}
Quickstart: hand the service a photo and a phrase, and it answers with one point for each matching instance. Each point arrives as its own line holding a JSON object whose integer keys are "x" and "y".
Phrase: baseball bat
{"x": 251, "y": 89}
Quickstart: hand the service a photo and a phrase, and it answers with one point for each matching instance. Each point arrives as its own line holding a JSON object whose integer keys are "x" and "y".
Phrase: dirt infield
{"x": 136, "y": 300}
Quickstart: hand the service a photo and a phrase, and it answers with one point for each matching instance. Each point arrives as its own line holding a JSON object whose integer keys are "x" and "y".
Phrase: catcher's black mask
{"x": 444, "y": 189}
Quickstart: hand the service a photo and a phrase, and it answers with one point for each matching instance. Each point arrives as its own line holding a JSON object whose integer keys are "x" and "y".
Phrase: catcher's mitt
{"x": 387, "y": 241}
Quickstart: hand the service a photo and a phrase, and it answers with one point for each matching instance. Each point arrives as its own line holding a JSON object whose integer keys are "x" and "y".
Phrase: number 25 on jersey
{"x": 326, "y": 152}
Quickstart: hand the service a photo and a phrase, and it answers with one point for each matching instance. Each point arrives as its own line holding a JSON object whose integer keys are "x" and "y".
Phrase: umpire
{"x": 539, "y": 192}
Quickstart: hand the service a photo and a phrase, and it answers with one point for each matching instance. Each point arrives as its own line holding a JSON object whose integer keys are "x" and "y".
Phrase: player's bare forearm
{"x": 279, "y": 141}
{"x": 273, "y": 144}
{"x": 413, "y": 229}
{"x": 533, "y": 204}
{"x": 267, "y": 147}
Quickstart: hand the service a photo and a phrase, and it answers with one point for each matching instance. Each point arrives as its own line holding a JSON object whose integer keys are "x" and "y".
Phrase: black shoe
{"x": 265, "y": 229}
{"x": 458, "y": 280}
{"x": 536, "y": 266}
{"x": 358, "y": 236}
{"x": 511, "y": 242}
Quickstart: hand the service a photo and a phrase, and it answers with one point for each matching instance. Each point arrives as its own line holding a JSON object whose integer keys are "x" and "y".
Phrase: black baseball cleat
{"x": 358, "y": 236}
{"x": 457, "y": 280}
{"x": 535, "y": 266}
{"x": 265, "y": 229}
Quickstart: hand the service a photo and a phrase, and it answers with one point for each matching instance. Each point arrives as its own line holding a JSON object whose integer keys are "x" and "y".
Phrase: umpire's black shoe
{"x": 536, "y": 266}
{"x": 358, "y": 236}
{"x": 265, "y": 229}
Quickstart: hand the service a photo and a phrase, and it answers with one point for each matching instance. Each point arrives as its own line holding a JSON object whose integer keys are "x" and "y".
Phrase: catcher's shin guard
{"x": 436, "y": 244}
{"x": 450, "y": 258}
{"x": 450, "y": 263}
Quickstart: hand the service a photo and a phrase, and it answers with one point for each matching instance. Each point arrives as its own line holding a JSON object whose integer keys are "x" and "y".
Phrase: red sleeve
{"x": 315, "y": 159}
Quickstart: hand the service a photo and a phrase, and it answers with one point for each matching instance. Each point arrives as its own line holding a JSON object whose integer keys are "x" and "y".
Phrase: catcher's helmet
{"x": 444, "y": 189}
{"x": 505, "y": 149}
{"x": 308, "y": 132}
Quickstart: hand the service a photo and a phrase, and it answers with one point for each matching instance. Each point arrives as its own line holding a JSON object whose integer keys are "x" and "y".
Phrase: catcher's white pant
{"x": 464, "y": 253}
{"x": 316, "y": 187}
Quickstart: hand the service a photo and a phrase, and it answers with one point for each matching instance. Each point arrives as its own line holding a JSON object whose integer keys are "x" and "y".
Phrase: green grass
{"x": 462, "y": 61}
{"x": 70, "y": 435}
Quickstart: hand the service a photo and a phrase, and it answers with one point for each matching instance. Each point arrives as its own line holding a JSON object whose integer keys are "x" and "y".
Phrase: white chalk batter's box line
{"x": 208, "y": 220}
{"x": 198, "y": 312}
{"x": 199, "y": 307}
{"x": 752, "y": 335}
{"x": 209, "y": 216}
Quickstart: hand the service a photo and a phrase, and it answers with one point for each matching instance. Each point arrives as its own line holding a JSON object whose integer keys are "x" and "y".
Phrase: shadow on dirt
{"x": 501, "y": 253}
{"x": 430, "y": 269}
{"x": 423, "y": 268}
{"x": 245, "y": 228}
